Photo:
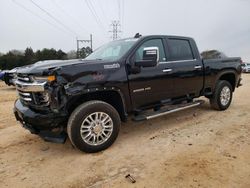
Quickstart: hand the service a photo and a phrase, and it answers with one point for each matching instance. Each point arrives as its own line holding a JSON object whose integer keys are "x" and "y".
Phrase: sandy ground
{"x": 193, "y": 148}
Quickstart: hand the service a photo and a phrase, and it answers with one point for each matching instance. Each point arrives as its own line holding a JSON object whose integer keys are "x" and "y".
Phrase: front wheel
{"x": 93, "y": 126}
{"x": 222, "y": 96}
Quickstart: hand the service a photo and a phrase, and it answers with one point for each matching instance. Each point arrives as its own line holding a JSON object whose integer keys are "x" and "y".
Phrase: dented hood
{"x": 41, "y": 67}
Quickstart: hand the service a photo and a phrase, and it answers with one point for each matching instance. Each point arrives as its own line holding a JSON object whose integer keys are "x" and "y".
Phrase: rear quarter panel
{"x": 215, "y": 68}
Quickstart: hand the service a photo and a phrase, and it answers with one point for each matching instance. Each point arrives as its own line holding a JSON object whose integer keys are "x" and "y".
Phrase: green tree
{"x": 46, "y": 54}
{"x": 61, "y": 54}
{"x": 17, "y": 58}
{"x": 10, "y": 60}
{"x": 29, "y": 56}
{"x": 84, "y": 52}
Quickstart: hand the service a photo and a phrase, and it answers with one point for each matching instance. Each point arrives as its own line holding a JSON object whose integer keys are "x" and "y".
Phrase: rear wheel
{"x": 93, "y": 126}
{"x": 222, "y": 96}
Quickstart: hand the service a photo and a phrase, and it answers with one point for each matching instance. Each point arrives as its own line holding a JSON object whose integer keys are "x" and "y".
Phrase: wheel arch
{"x": 228, "y": 75}
{"x": 114, "y": 97}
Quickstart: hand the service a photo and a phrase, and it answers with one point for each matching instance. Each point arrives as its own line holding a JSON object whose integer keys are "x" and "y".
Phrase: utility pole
{"x": 83, "y": 41}
{"x": 115, "y": 29}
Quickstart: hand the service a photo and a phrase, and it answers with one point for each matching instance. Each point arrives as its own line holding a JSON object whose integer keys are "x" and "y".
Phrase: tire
{"x": 222, "y": 96}
{"x": 98, "y": 120}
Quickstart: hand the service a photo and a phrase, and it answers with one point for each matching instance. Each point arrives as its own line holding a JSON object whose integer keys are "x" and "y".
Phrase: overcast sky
{"x": 214, "y": 24}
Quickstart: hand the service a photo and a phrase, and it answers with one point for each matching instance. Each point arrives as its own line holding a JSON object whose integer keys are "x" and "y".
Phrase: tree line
{"x": 212, "y": 54}
{"x": 17, "y": 58}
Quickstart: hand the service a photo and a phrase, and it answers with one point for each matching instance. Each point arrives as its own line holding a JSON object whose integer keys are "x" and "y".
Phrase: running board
{"x": 169, "y": 110}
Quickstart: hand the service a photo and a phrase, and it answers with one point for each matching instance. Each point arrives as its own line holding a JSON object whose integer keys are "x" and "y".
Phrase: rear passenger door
{"x": 187, "y": 70}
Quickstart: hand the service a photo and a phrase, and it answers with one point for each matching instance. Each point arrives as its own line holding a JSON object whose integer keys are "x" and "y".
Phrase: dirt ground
{"x": 193, "y": 148}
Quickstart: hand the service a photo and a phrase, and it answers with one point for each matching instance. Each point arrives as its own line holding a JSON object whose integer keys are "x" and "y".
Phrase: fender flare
{"x": 224, "y": 72}
{"x": 107, "y": 89}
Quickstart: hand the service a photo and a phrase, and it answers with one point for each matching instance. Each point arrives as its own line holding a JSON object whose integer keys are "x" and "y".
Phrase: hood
{"x": 41, "y": 67}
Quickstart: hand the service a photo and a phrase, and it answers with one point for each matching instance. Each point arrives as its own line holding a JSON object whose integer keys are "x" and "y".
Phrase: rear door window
{"x": 179, "y": 49}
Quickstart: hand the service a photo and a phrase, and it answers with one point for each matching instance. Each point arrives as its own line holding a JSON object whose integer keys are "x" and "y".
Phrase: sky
{"x": 214, "y": 24}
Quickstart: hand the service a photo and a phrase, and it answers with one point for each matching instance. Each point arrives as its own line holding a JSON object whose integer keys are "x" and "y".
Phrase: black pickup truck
{"x": 149, "y": 76}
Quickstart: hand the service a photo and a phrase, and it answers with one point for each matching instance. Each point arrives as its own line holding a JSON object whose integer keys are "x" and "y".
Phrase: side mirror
{"x": 150, "y": 57}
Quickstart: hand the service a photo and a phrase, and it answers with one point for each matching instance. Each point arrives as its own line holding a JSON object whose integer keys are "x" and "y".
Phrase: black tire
{"x": 80, "y": 114}
{"x": 216, "y": 101}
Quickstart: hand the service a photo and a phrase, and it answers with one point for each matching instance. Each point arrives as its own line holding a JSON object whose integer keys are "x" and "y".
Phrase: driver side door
{"x": 150, "y": 85}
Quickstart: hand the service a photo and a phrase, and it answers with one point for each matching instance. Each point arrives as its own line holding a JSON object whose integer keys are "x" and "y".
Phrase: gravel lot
{"x": 193, "y": 148}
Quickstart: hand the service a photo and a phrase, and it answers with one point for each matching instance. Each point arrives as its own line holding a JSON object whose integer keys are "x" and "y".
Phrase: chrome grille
{"x": 25, "y": 96}
{"x": 23, "y": 78}
{"x": 33, "y": 98}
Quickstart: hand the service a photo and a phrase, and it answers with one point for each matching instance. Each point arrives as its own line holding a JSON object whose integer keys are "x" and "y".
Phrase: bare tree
{"x": 212, "y": 54}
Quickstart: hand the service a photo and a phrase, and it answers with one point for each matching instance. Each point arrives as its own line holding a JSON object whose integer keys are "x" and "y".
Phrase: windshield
{"x": 113, "y": 50}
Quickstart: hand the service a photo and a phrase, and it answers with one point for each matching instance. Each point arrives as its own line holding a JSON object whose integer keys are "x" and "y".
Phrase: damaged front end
{"x": 50, "y": 90}
{"x": 40, "y": 106}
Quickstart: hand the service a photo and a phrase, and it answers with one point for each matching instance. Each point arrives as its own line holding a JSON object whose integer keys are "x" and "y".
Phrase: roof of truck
{"x": 168, "y": 36}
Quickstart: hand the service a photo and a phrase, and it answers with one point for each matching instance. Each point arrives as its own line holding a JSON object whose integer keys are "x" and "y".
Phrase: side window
{"x": 151, "y": 43}
{"x": 179, "y": 50}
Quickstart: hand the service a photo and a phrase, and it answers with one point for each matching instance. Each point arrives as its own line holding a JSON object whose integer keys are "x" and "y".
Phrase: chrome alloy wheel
{"x": 225, "y": 95}
{"x": 96, "y": 128}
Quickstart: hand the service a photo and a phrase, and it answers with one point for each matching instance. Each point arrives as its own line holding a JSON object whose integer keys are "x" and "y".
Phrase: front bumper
{"x": 37, "y": 121}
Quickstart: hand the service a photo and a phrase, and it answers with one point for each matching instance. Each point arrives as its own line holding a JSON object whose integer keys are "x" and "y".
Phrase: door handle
{"x": 167, "y": 70}
{"x": 197, "y": 67}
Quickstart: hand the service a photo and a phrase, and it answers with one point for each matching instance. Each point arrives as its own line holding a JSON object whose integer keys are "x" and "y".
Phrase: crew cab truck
{"x": 145, "y": 76}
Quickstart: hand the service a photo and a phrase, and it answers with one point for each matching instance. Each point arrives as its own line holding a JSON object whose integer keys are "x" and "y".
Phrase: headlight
{"x": 43, "y": 78}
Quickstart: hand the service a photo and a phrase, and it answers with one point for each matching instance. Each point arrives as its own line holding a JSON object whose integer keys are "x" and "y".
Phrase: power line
{"x": 93, "y": 12}
{"x": 69, "y": 15}
{"x": 55, "y": 19}
{"x": 93, "y": 8}
{"x": 120, "y": 12}
{"x": 122, "y": 19}
{"x": 37, "y": 15}
{"x": 119, "y": 9}
{"x": 101, "y": 7}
